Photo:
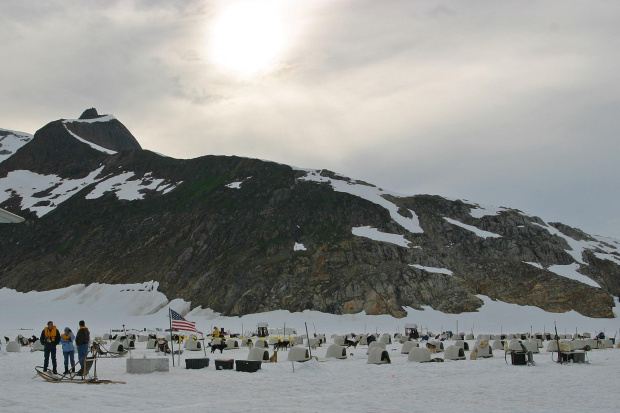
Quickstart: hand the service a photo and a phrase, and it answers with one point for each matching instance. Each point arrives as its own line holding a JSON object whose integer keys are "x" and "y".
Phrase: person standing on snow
{"x": 68, "y": 349}
{"x": 50, "y": 337}
{"x": 81, "y": 341}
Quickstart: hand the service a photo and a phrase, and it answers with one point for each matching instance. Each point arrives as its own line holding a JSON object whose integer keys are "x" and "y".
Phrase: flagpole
{"x": 171, "y": 336}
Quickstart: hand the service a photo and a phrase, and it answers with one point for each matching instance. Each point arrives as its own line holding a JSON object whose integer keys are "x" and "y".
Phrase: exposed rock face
{"x": 220, "y": 232}
{"x": 89, "y": 114}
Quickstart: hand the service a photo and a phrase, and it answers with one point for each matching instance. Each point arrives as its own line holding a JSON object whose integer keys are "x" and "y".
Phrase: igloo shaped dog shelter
{"x": 378, "y": 356}
{"x": 298, "y": 354}
{"x": 258, "y": 354}
{"x": 336, "y": 351}
{"x": 419, "y": 355}
{"x": 408, "y": 345}
{"x": 454, "y": 353}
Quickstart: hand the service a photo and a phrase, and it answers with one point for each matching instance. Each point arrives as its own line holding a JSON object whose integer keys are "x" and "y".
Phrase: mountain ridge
{"x": 241, "y": 235}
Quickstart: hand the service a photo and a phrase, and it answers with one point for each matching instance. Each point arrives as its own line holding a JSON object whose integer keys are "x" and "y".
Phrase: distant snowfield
{"x": 142, "y": 306}
{"x": 329, "y": 385}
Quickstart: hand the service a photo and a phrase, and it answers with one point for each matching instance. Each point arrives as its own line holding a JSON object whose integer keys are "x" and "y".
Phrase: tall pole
{"x": 309, "y": 348}
{"x": 171, "y": 336}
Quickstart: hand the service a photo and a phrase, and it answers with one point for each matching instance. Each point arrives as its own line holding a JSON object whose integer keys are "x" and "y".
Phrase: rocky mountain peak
{"x": 90, "y": 114}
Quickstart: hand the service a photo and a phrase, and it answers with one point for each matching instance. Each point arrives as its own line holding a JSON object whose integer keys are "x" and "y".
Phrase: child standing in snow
{"x": 68, "y": 349}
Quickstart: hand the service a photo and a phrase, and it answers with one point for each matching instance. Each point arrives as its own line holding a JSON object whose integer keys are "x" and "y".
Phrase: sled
{"x": 74, "y": 377}
{"x": 101, "y": 351}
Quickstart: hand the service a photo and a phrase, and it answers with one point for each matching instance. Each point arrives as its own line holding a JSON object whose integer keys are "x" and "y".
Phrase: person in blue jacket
{"x": 68, "y": 349}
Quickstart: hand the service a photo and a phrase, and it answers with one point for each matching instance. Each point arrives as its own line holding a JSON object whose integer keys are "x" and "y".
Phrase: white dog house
{"x": 151, "y": 344}
{"x": 298, "y": 354}
{"x": 461, "y": 343}
{"x": 484, "y": 349}
{"x": 13, "y": 347}
{"x": 497, "y": 345}
{"x": 419, "y": 355}
{"x": 438, "y": 345}
{"x": 530, "y": 345}
{"x": 258, "y": 354}
{"x": 386, "y": 339}
{"x": 454, "y": 353}
{"x": 375, "y": 344}
{"x": 261, "y": 343}
{"x": 338, "y": 340}
{"x": 336, "y": 351}
{"x": 37, "y": 346}
{"x": 378, "y": 356}
{"x": 193, "y": 345}
{"x": 408, "y": 345}
{"x": 117, "y": 347}
{"x": 232, "y": 344}
{"x": 363, "y": 340}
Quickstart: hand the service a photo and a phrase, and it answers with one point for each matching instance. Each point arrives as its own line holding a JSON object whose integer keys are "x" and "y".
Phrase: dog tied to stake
{"x": 274, "y": 358}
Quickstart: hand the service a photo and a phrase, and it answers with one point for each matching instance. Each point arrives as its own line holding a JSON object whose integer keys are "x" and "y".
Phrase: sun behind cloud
{"x": 249, "y": 36}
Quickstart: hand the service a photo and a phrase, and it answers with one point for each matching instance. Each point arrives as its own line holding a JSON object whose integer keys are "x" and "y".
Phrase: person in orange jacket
{"x": 50, "y": 337}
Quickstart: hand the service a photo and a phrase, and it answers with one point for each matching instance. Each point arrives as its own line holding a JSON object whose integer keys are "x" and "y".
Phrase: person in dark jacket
{"x": 81, "y": 341}
{"x": 50, "y": 337}
{"x": 68, "y": 350}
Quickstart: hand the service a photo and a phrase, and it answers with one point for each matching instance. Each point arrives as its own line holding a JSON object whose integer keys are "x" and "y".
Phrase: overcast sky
{"x": 511, "y": 103}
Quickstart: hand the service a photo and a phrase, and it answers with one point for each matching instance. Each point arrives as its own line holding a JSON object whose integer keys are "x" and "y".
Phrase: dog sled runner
{"x": 101, "y": 351}
{"x": 74, "y": 377}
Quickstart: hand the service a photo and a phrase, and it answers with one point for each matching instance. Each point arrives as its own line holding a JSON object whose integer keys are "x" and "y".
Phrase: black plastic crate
{"x": 518, "y": 359}
{"x": 196, "y": 363}
{"x": 249, "y": 366}
{"x": 224, "y": 364}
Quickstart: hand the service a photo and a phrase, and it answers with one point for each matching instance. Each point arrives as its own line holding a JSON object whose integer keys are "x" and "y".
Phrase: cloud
{"x": 513, "y": 104}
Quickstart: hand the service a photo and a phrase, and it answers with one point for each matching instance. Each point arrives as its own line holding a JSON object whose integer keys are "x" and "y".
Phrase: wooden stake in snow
{"x": 309, "y": 348}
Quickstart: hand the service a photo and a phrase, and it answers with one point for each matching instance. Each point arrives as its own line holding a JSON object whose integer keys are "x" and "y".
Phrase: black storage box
{"x": 196, "y": 363}
{"x": 224, "y": 364}
{"x": 519, "y": 359}
{"x": 248, "y": 365}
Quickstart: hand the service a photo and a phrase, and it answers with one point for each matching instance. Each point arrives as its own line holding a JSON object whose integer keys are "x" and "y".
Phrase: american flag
{"x": 179, "y": 323}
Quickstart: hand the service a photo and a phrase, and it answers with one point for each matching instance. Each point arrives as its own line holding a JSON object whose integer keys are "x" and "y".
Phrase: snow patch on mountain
{"x": 128, "y": 188}
{"x": 570, "y": 271}
{"x": 376, "y": 235}
{"x": 42, "y": 193}
{"x": 603, "y": 247}
{"x": 105, "y": 118}
{"x": 92, "y": 145}
{"x": 480, "y": 210}
{"x": 11, "y": 141}
{"x": 369, "y": 193}
{"x": 432, "y": 269}
{"x": 479, "y": 232}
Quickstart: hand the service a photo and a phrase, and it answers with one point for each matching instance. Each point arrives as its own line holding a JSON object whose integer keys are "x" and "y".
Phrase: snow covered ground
{"x": 324, "y": 386}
